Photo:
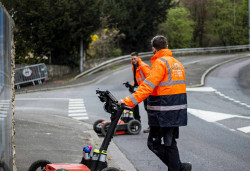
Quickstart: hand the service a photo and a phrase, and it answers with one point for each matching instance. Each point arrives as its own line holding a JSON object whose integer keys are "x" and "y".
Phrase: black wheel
{"x": 105, "y": 128}
{"x": 134, "y": 127}
{"x": 97, "y": 126}
{"x": 39, "y": 165}
{"x": 110, "y": 169}
{"x": 4, "y": 166}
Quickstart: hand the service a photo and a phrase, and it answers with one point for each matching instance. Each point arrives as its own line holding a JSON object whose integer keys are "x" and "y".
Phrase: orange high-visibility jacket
{"x": 166, "y": 91}
{"x": 142, "y": 71}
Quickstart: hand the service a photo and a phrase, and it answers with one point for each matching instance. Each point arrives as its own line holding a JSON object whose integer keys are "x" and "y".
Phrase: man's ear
{"x": 154, "y": 50}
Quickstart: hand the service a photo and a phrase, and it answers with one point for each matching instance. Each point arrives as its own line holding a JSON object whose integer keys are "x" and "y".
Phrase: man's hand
{"x": 120, "y": 102}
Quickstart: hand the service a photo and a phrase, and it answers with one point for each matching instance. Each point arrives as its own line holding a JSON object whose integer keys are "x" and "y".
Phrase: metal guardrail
{"x": 31, "y": 73}
{"x": 186, "y": 51}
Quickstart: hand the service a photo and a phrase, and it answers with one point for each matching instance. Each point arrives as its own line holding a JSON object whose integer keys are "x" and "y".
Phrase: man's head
{"x": 159, "y": 42}
{"x": 134, "y": 57}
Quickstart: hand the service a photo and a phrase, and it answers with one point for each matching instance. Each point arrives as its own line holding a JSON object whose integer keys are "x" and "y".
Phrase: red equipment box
{"x": 67, "y": 166}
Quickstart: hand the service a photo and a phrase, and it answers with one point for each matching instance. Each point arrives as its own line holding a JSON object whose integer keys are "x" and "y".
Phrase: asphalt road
{"x": 214, "y": 138}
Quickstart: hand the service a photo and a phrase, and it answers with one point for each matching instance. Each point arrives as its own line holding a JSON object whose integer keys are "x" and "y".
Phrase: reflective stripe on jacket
{"x": 166, "y": 88}
{"x": 142, "y": 71}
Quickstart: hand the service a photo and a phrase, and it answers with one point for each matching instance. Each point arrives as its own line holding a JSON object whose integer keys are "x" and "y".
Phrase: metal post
{"x": 81, "y": 55}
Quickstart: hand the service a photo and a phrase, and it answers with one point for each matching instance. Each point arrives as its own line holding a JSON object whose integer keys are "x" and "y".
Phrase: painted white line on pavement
{"x": 81, "y": 118}
{"x": 231, "y": 99}
{"x": 41, "y": 98}
{"x": 75, "y": 100}
{"x": 213, "y": 116}
{"x": 76, "y": 111}
{"x": 210, "y": 116}
{"x": 201, "y": 89}
{"x": 211, "y": 89}
{"x": 75, "y": 108}
{"x": 76, "y": 103}
{"x": 244, "y": 129}
{"x": 78, "y": 114}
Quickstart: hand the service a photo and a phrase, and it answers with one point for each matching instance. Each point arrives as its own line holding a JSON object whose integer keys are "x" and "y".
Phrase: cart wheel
{"x": 105, "y": 128}
{"x": 39, "y": 165}
{"x": 97, "y": 126}
{"x": 110, "y": 169}
{"x": 134, "y": 127}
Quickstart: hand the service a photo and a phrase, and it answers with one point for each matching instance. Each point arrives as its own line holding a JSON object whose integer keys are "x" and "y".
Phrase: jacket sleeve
{"x": 156, "y": 74}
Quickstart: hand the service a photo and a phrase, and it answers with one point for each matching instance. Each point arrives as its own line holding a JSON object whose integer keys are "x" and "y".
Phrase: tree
{"x": 137, "y": 19}
{"x": 54, "y": 28}
{"x": 199, "y": 12}
{"x": 178, "y": 28}
{"x": 227, "y": 23}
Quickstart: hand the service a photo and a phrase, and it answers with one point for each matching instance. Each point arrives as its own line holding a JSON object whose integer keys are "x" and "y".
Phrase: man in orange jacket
{"x": 167, "y": 104}
{"x": 140, "y": 72}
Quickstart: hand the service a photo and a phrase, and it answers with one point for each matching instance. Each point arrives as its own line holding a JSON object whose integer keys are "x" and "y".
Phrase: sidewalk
{"x": 60, "y": 139}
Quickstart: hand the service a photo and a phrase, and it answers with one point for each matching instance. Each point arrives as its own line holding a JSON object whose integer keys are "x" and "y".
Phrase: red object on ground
{"x": 67, "y": 166}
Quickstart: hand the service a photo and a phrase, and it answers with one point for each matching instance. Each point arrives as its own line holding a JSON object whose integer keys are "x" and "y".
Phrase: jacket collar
{"x": 161, "y": 53}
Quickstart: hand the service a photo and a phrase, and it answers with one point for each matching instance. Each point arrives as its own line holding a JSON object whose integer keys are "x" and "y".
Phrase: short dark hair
{"x": 159, "y": 42}
{"x": 134, "y": 54}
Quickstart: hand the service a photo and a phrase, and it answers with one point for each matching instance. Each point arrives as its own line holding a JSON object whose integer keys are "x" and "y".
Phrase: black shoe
{"x": 146, "y": 130}
{"x": 186, "y": 166}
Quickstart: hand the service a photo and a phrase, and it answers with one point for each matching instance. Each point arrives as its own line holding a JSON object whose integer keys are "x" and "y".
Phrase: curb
{"x": 203, "y": 77}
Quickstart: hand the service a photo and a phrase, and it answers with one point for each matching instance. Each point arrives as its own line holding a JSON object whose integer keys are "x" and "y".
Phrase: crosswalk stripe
{"x": 77, "y": 110}
{"x": 78, "y": 114}
{"x": 81, "y": 118}
{"x": 244, "y": 129}
{"x": 75, "y": 100}
{"x": 76, "y": 103}
{"x": 76, "y": 107}
{"x": 72, "y": 105}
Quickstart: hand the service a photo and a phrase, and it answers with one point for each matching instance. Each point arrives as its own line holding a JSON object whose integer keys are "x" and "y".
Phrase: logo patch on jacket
{"x": 177, "y": 70}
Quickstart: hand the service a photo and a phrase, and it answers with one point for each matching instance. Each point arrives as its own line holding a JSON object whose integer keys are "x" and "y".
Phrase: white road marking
{"x": 42, "y": 98}
{"x": 211, "y": 89}
{"x": 81, "y": 118}
{"x": 201, "y": 89}
{"x": 78, "y": 114}
{"x": 76, "y": 100}
{"x": 210, "y": 116}
{"x": 76, "y": 103}
{"x": 244, "y": 129}
{"x": 77, "y": 110}
{"x": 231, "y": 99}
{"x": 76, "y": 107}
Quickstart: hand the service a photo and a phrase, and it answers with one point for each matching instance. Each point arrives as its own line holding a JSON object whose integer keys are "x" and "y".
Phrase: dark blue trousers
{"x": 162, "y": 142}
